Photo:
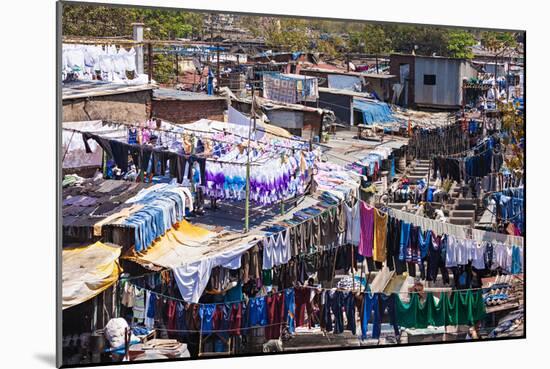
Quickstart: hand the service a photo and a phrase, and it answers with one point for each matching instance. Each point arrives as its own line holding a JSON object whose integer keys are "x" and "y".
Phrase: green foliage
{"x": 104, "y": 21}
{"x": 459, "y": 44}
{"x": 422, "y": 40}
{"x": 164, "y": 68}
{"x": 513, "y": 122}
{"x": 498, "y": 41}
{"x": 288, "y": 33}
{"x": 331, "y": 46}
{"x": 375, "y": 40}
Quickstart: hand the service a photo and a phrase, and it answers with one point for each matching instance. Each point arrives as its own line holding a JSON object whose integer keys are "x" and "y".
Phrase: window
{"x": 429, "y": 79}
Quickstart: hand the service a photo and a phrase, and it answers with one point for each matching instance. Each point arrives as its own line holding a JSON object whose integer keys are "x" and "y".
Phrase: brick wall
{"x": 181, "y": 111}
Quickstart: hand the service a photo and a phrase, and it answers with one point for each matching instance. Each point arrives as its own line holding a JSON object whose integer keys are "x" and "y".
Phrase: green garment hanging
{"x": 267, "y": 279}
{"x": 406, "y": 312}
{"x": 471, "y": 307}
{"x": 451, "y": 313}
{"x": 462, "y": 308}
{"x": 478, "y": 307}
{"x": 436, "y": 312}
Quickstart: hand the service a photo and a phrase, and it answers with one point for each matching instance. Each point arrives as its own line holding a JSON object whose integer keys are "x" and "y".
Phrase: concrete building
{"x": 429, "y": 81}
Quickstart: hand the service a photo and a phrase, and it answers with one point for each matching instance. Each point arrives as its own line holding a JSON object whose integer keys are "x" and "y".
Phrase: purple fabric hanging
{"x": 367, "y": 229}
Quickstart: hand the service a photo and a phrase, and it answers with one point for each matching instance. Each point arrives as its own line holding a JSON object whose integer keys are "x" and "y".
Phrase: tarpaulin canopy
{"x": 191, "y": 252}
{"x": 179, "y": 245}
{"x": 88, "y": 271}
{"x": 373, "y": 111}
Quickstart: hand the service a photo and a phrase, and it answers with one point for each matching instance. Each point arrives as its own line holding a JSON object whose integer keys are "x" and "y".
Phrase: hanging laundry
{"x": 367, "y": 229}
{"x": 380, "y": 233}
{"x": 461, "y": 308}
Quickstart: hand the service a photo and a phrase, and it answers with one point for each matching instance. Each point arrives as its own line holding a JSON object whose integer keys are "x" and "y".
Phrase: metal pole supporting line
{"x": 247, "y": 194}
{"x": 68, "y": 145}
{"x": 218, "y": 67}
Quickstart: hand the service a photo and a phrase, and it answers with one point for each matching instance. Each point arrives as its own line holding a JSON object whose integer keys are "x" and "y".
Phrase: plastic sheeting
{"x": 191, "y": 252}
{"x": 374, "y": 112}
{"x": 74, "y": 151}
{"x": 179, "y": 245}
{"x": 192, "y": 278}
{"x": 88, "y": 271}
{"x": 236, "y": 117}
{"x": 343, "y": 82}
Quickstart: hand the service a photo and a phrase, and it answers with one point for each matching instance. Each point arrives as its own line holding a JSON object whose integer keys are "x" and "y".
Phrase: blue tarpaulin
{"x": 374, "y": 112}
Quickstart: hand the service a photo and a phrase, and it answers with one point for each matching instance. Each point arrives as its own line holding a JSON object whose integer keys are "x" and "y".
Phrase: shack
{"x": 341, "y": 102}
{"x": 379, "y": 84}
{"x": 299, "y": 120}
{"x": 429, "y": 81}
{"x": 333, "y": 78}
{"x": 99, "y": 100}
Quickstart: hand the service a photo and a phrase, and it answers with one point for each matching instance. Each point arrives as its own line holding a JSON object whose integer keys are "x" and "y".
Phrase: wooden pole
{"x": 127, "y": 336}
{"x": 200, "y": 340}
{"x": 177, "y": 68}
{"x": 150, "y": 61}
{"x": 311, "y": 174}
{"x": 334, "y": 267}
{"x": 353, "y": 268}
{"x": 362, "y": 274}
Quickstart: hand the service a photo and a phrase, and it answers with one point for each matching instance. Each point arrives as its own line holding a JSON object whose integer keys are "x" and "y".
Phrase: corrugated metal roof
{"x": 82, "y": 89}
{"x": 173, "y": 94}
{"x": 338, "y": 91}
{"x": 378, "y": 75}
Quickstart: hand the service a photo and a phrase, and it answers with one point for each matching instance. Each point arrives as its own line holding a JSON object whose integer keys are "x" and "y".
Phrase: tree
{"x": 498, "y": 41}
{"x": 459, "y": 44}
{"x": 513, "y": 122}
{"x": 375, "y": 40}
{"x": 330, "y": 46}
{"x": 105, "y": 21}
{"x": 423, "y": 40}
{"x": 288, "y": 34}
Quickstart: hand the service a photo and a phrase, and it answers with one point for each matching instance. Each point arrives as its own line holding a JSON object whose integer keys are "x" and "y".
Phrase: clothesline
{"x": 253, "y": 163}
{"x": 217, "y": 130}
{"x": 480, "y": 236}
{"x": 318, "y": 289}
{"x": 474, "y": 148}
{"x": 229, "y": 330}
{"x": 181, "y": 130}
{"x": 457, "y": 231}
